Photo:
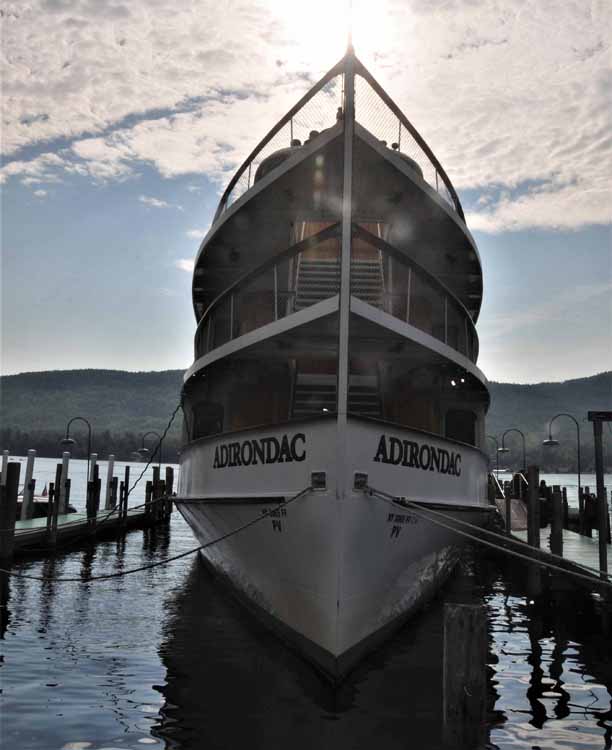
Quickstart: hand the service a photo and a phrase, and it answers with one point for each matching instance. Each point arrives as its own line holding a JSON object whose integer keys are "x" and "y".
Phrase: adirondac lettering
{"x": 392, "y": 450}
{"x": 268, "y": 450}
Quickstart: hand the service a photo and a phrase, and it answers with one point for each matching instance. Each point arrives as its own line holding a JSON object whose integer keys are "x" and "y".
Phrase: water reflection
{"x": 553, "y": 666}
{"x": 167, "y": 657}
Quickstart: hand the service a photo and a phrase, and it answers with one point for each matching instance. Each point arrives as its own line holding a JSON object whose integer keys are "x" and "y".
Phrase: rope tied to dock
{"x": 592, "y": 575}
{"x": 168, "y": 560}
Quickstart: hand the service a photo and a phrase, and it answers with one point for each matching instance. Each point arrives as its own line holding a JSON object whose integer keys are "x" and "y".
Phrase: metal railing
{"x": 275, "y": 290}
{"x": 378, "y": 113}
{"x": 317, "y": 110}
{"x": 263, "y": 295}
{"x": 417, "y": 297}
{"x": 320, "y": 108}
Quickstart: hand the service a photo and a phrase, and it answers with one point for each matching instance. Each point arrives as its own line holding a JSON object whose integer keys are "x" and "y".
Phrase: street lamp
{"x": 503, "y": 449}
{"x": 68, "y": 441}
{"x": 494, "y": 439}
{"x": 550, "y": 442}
{"x": 145, "y": 451}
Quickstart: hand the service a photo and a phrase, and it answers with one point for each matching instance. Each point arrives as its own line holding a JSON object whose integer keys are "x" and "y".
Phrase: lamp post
{"x": 550, "y": 442}
{"x": 68, "y": 441}
{"x": 494, "y": 439}
{"x": 503, "y": 449}
{"x": 144, "y": 451}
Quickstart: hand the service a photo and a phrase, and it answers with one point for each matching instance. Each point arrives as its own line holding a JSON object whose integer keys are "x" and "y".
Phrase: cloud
{"x": 158, "y": 203}
{"x": 564, "y": 207}
{"x": 153, "y": 202}
{"x": 553, "y": 309}
{"x": 43, "y": 168}
{"x": 196, "y": 234}
{"x": 502, "y": 101}
{"x": 185, "y": 264}
{"x": 40, "y": 193}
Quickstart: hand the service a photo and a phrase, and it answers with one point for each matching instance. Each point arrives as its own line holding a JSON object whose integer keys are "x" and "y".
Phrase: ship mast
{"x": 345, "y": 262}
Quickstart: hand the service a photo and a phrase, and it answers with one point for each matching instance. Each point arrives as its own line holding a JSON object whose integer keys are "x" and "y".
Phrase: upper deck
{"x": 296, "y": 175}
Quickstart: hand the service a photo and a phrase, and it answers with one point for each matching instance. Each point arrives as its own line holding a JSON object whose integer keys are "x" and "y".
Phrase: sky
{"x": 123, "y": 121}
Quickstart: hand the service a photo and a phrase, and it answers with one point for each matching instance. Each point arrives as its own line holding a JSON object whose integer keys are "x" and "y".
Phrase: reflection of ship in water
{"x": 230, "y": 683}
{"x": 336, "y": 296}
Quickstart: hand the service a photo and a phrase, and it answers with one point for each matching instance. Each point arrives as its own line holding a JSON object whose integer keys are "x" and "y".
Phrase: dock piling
{"x": 464, "y": 674}
{"x": 556, "y": 529}
{"x": 534, "y": 574}
{"x": 5, "y": 458}
{"x": 60, "y": 486}
{"x": 533, "y": 507}
{"x": 27, "y": 504}
{"x": 109, "y": 482}
{"x": 9, "y": 489}
{"x": 126, "y": 491}
{"x": 113, "y": 493}
{"x": 148, "y": 497}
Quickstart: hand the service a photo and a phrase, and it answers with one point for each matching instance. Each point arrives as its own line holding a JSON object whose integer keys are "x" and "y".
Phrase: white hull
{"x": 337, "y": 567}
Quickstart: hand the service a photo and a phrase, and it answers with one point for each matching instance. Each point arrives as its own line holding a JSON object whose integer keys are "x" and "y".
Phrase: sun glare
{"x": 319, "y": 30}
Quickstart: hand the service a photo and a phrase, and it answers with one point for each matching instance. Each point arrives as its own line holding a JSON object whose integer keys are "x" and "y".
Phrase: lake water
{"x": 166, "y": 659}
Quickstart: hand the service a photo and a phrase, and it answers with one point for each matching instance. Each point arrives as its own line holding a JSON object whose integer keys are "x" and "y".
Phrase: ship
{"x": 334, "y": 406}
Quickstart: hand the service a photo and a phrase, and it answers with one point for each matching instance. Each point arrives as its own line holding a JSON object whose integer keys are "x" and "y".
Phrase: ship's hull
{"x": 337, "y": 568}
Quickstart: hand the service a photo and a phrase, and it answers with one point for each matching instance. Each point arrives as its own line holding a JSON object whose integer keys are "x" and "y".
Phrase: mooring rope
{"x": 425, "y": 514}
{"x": 159, "y": 563}
{"x": 157, "y": 447}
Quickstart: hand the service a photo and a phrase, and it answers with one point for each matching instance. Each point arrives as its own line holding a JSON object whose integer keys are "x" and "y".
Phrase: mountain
{"x": 122, "y": 406}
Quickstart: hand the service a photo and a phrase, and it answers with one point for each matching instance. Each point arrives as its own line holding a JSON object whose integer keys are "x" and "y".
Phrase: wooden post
{"x": 8, "y": 509}
{"x": 60, "y": 487}
{"x": 5, "y": 458}
{"x": 109, "y": 481}
{"x": 508, "y": 518}
{"x": 565, "y": 509}
{"x": 67, "y": 487}
{"x": 533, "y": 507}
{"x": 464, "y": 677}
{"x": 588, "y": 513}
{"x": 113, "y": 492}
{"x": 52, "y": 509}
{"x": 534, "y": 573}
{"x": 27, "y": 504}
{"x": 602, "y": 500}
{"x": 556, "y": 530}
{"x": 170, "y": 489}
{"x": 97, "y": 491}
{"x": 126, "y": 494}
{"x": 148, "y": 497}
{"x": 93, "y": 460}
{"x": 88, "y": 500}
{"x": 121, "y": 491}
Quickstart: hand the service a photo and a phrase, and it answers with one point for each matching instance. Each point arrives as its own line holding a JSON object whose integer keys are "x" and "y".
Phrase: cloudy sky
{"x": 122, "y": 121}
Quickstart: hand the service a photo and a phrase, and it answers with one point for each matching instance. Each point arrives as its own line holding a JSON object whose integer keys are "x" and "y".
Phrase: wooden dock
{"x": 577, "y": 549}
{"x": 35, "y": 535}
{"x": 32, "y": 536}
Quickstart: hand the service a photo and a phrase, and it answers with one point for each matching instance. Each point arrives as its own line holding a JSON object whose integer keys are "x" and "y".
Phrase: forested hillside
{"x": 121, "y": 406}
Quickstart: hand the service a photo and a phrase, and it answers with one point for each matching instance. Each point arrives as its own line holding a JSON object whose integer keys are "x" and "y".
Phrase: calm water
{"x": 166, "y": 659}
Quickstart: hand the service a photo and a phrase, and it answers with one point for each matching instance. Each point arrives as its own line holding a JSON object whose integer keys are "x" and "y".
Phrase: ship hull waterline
{"x": 337, "y": 569}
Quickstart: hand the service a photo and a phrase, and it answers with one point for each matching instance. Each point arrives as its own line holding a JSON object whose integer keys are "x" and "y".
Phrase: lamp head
{"x": 503, "y": 450}
{"x": 143, "y": 451}
{"x": 550, "y": 442}
{"x": 67, "y": 441}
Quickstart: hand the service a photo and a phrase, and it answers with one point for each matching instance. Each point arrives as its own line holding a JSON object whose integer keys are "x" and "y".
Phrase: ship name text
{"x": 392, "y": 450}
{"x": 268, "y": 450}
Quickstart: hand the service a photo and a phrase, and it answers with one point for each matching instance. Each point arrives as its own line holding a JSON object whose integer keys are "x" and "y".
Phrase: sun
{"x": 319, "y": 30}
